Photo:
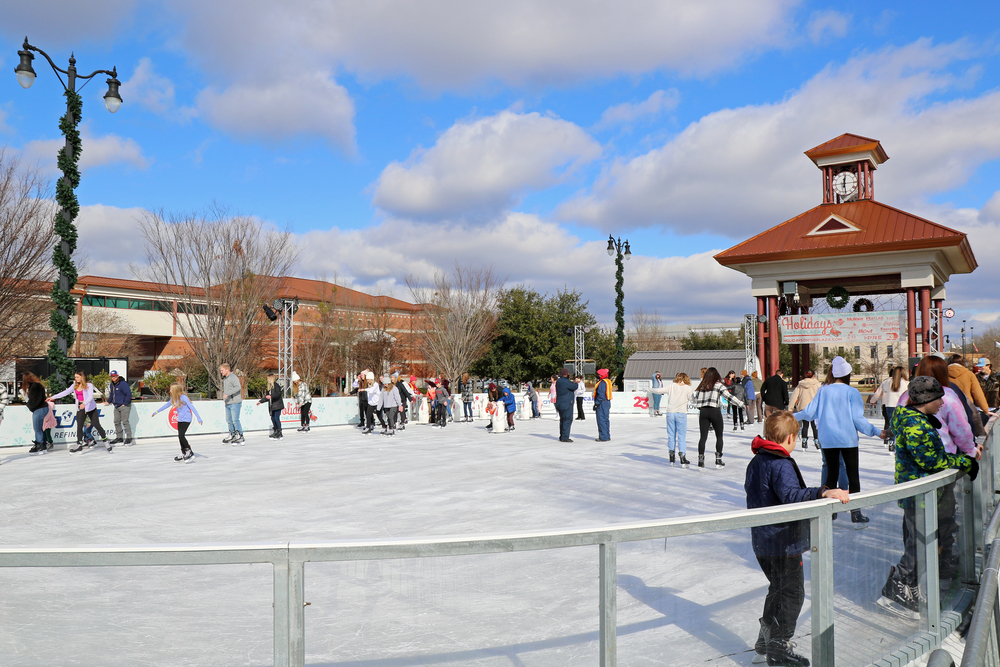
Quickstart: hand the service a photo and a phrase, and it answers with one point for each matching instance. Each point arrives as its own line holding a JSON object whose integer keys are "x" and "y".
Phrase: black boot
{"x": 684, "y": 461}
{"x": 671, "y": 457}
{"x": 780, "y": 652}
{"x": 701, "y": 460}
{"x": 760, "y": 646}
{"x": 718, "y": 461}
{"x": 858, "y": 519}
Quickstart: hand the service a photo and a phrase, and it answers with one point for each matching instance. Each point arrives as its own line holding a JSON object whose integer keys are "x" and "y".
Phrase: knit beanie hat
{"x": 841, "y": 367}
{"x": 924, "y": 389}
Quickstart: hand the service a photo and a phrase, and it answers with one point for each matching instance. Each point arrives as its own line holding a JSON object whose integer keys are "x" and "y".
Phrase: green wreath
{"x": 865, "y": 304}
{"x": 837, "y": 297}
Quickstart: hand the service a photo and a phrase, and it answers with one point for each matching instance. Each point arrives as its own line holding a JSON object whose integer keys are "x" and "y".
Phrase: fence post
{"x": 821, "y": 585}
{"x": 609, "y": 604}
{"x": 971, "y": 535}
{"x": 930, "y": 545}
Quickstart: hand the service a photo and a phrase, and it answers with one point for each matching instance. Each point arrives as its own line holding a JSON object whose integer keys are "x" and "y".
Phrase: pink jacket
{"x": 955, "y": 430}
{"x": 50, "y": 418}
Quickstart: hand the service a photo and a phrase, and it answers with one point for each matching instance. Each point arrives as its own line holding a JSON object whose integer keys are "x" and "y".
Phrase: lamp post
{"x": 963, "y": 339}
{"x": 68, "y": 157}
{"x": 615, "y": 247}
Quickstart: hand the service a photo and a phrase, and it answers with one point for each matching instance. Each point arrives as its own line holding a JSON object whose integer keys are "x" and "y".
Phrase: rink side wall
{"x": 16, "y": 430}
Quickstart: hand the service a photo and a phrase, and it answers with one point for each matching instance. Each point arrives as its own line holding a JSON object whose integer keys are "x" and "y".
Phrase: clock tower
{"x": 848, "y": 165}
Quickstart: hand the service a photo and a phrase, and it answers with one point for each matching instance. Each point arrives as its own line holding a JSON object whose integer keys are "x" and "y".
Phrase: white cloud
{"x": 478, "y": 169}
{"x": 289, "y": 106}
{"x": 827, "y": 24}
{"x": 155, "y": 92}
{"x": 97, "y": 152}
{"x": 460, "y": 43}
{"x": 55, "y": 26}
{"x": 109, "y": 240}
{"x": 740, "y": 171}
{"x": 659, "y": 101}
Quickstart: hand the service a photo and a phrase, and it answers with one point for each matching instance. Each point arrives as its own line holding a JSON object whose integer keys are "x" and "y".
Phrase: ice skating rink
{"x": 688, "y": 601}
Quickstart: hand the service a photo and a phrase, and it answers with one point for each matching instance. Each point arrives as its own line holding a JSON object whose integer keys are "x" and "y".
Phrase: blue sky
{"x": 396, "y": 138}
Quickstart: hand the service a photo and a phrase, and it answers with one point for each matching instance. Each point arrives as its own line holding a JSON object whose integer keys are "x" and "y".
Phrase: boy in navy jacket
{"x": 774, "y": 479}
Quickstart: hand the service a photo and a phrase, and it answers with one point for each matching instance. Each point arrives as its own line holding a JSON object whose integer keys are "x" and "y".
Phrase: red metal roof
{"x": 847, "y": 143}
{"x": 881, "y": 228}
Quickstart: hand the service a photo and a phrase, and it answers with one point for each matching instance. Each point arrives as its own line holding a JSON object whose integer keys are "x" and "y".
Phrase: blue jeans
{"x": 656, "y": 402}
{"x": 276, "y": 421}
{"x": 604, "y": 420}
{"x": 233, "y": 418}
{"x": 677, "y": 425}
{"x": 37, "y": 420}
{"x": 468, "y": 409}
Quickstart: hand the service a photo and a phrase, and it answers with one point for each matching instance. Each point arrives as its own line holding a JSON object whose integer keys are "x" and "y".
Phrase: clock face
{"x": 845, "y": 183}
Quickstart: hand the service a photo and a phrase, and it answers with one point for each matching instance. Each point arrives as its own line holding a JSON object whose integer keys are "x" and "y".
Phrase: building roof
{"x": 871, "y": 227}
{"x": 642, "y": 365}
{"x": 122, "y": 283}
{"x": 848, "y": 143}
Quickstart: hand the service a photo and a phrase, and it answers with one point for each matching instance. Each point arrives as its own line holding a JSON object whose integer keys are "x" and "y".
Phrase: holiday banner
{"x": 886, "y": 326}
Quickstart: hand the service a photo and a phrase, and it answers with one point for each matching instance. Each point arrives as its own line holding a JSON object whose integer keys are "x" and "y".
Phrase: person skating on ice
{"x": 708, "y": 399}
{"x": 86, "y": 407}
{"x": 120, "y": 395}
{"x": 232, "y": 398}
{"x": 602, "y": 406}
{"x": 275, "y": 404}
{"x": 185, "y": 408}
{"x": 678, "y": 395}
{"x": 303, "y": 397}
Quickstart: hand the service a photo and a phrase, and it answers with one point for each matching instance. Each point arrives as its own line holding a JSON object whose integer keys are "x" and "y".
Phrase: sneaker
{"x": 780, "y": 652}
{"x": 858, "y": 519}
{"x": 718, "y": 461}
{"x": 701, "y": 460}
{"x": 77, "y": 448}
{"x": 671, "y": 457}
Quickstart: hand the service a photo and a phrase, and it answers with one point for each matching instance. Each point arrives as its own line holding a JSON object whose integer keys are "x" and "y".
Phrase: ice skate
{"x": 50, "y": 446}
{"x": 230, "y": 439}
{"x": 127, "y": 442}
{"x": 859, "y": 520}
{"x": 116, "y": 441}
{"x": 189, "y": 456}
{"x": 760, "y": 646}
{"x": 684, "y": 461}
{"x": 671, "y": 457}
{"x": 36, "y": 449}
{"x": 78, "y": 447}
{"x": 701, "y": 460}
{"x": 897, "y": 598}
{"x": 239, "y": 439}
{"x": 718, "y": 461}
{"x": 780, "y": 652}
{"x": 108, "y": 445}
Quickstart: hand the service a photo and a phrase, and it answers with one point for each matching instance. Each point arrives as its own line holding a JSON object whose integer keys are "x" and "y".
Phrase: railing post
{"x": 289, "y": 614}
{"x": 282, "y": 628}
{"x": 971, "y": 535}
{"x": 609, "y": 604}
{"x": 821, "y": 585}
{"x": 930, "y": 545}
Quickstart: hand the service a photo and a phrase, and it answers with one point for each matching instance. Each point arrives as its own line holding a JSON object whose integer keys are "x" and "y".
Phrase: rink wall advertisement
{"x": 874, "y": 327}
{"x": 16, "y": 429}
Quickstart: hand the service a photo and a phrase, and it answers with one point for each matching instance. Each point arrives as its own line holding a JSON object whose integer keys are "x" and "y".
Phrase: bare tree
{"x": 374, "y": 346}
{"x": 647, "y": 334}
{"x": 327, "y": 334}
{"x": 26, "y": 240}
{"x": 221, "y": 268}
{"x": 460, "y": 316}
{"x": 105, "y": 333}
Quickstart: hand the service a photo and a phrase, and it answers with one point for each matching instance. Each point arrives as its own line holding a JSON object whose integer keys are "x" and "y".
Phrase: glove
{"x": 973, "y": 470}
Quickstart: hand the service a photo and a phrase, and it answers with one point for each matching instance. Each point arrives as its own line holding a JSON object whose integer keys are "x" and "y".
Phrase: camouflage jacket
{"x": 919, "y": 450}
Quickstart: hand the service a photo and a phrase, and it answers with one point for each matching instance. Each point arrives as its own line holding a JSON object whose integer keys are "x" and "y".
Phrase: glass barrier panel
{"x": 524, "y": 608}
{"x": 875, "y": 608}
{"x": 699, "y": 599}
{"x": 204, "y": 615}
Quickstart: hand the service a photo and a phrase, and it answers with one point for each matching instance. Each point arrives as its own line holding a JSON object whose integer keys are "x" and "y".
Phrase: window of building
{"x": 826, "y": 350}
{"x": 163, "y": 306}
{"x": 874, "y": 351}
{"x": 888, "y": 351}
{"x": 857, "y": 351}
{"x": 93, "y": 301}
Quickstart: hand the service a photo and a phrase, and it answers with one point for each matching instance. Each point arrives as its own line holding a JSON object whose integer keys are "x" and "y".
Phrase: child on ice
{"x": 773, "y": 478}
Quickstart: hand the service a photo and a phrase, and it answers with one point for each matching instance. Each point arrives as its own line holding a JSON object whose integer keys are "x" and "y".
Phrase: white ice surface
{"x": 690, "y": 601}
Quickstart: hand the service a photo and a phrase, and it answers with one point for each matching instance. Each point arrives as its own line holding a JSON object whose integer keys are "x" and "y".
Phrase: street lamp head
{"x": 611, "y": 246}
{"x": 628, "y": 251}
{"x": 25, "y": 73}
{"x": 112, "y": 100}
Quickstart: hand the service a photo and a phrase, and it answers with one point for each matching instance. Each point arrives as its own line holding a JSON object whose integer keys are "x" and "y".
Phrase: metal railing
{"x": 288, "y": 561}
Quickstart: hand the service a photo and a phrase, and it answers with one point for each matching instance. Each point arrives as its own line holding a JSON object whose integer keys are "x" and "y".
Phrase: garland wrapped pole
{"x": 615, "y": 250}
{"x": 68, "y": 161}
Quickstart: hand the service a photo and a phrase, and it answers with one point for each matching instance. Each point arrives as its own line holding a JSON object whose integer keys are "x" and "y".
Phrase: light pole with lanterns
{"x": 68, "y": 159}
{"x": 615, "y": 247}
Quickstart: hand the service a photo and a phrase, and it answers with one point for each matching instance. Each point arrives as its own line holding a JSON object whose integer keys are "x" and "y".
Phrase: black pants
{"x": 738, "y": 413}
{"x": 95, "y": 421}
{"x": 362, "y": 405}
{"x": 832, "y": 457}
{"x": 304, "y": 413}
{"x": 785, "y": 594}
{"x": 565, "y": 421}
{"x": 579, "y": 408}
{"x": 182, "y": 428}
{"x": 805, "y": 430}
{"x": 710, "y": 417}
